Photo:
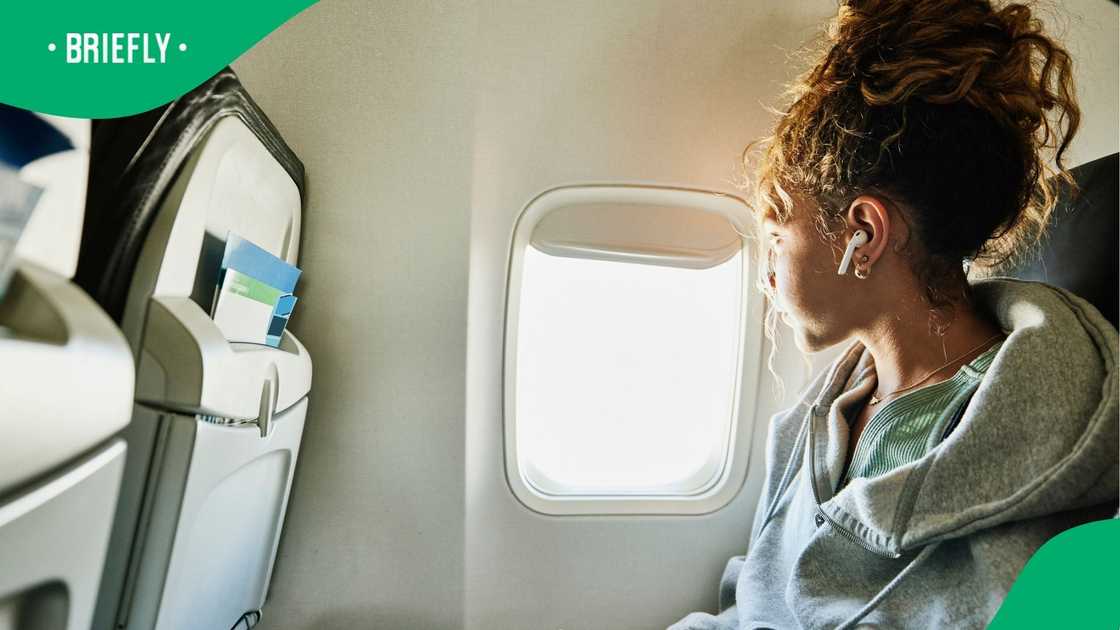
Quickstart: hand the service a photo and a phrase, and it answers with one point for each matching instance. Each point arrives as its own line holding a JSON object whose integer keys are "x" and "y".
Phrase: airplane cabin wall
{"x": 377, "y": 102}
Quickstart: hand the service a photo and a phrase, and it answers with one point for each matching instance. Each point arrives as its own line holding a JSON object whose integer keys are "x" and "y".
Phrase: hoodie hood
{"x": 1039, "y": 436}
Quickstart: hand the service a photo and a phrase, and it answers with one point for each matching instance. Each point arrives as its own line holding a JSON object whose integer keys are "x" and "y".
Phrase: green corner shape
{"x": 52, "y": 66}
{"x": 1070, "y": 582}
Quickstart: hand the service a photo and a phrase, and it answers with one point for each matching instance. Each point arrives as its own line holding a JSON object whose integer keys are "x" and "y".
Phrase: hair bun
{"x": 946, "y": 51}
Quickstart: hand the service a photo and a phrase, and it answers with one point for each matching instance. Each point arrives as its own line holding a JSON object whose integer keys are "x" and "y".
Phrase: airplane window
{"x": 626, "y": 374}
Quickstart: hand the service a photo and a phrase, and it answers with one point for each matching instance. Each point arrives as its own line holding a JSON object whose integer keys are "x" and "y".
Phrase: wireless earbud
{"x": 858, "y": 239}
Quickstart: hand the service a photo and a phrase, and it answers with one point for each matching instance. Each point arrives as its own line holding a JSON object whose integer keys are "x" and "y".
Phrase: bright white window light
{"x": 625, "y": 374}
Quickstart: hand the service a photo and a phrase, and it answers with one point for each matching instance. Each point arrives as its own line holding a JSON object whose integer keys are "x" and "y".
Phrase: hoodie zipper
{"x": 856, "y": 539}
{"x": 837, "y": 526}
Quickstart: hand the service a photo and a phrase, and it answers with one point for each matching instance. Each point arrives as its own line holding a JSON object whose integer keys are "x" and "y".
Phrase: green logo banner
{"x": 107, "y": 59}
{"x": 1070, "y": 582}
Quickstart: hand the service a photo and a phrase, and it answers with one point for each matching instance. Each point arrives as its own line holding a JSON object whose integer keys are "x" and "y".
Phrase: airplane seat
{"x": 216, "y": 425}
{"x": 66, "y": 384}
{"x": 1080, "y": 252}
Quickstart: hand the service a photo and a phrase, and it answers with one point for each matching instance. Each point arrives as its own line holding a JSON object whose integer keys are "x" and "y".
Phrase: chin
{"x": 807, "y": 345}
{"x": 808, "y": 341}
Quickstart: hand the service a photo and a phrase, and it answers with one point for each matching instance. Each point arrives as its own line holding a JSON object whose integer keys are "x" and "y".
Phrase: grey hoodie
{"x": 937, "y": 542}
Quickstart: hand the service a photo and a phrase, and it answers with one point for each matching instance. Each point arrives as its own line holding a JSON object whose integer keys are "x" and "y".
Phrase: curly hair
{"x": 948, "y": 111}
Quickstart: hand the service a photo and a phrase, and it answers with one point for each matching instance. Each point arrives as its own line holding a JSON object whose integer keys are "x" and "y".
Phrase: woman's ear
{"x": 869, "y": 213}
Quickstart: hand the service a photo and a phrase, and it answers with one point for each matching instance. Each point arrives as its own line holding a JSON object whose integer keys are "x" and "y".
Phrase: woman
{"x": 966, "y": 424}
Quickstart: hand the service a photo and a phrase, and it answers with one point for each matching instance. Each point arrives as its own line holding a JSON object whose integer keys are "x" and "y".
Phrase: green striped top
{"x": 907, "y": 427}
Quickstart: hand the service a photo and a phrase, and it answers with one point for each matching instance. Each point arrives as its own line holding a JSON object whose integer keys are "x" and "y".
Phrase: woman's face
{"x": 812, "y": 299}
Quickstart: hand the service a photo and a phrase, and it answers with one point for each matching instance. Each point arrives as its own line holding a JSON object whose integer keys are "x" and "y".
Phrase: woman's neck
{"x": 905, "y": 349}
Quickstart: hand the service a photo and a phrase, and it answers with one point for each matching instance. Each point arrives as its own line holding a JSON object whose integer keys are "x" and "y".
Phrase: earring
{"x": 861, "y": 270}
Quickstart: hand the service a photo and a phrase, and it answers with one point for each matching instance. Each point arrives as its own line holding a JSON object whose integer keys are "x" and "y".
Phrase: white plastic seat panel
{"x": 66, "y": 384}
{"x": 53, "y": 540}
{"x": 214, "y": 523}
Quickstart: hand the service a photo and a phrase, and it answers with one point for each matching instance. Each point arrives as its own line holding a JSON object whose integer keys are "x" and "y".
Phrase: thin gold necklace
{"x": 876, "y": 399}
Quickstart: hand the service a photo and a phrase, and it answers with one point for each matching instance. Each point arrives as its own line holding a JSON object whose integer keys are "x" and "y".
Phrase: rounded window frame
{"x": 732, "y": 474}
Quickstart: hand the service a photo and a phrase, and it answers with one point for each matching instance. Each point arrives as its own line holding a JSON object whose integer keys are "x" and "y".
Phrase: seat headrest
{"x": 1080, "y": 252}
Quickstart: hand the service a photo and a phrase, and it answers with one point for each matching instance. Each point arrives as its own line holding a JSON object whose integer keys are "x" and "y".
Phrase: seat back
{"x": 133, "y": 161}
{"x": 1080, "y": 252}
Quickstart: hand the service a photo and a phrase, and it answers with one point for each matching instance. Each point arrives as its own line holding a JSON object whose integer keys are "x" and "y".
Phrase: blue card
{"x": 248, "y": 259}
{"x": 256, "y": 262}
